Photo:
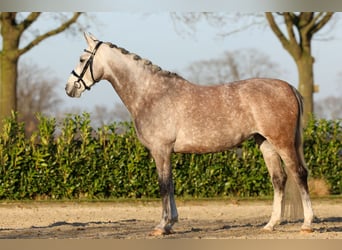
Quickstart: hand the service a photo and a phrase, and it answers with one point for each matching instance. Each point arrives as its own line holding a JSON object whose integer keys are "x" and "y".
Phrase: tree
{"x": 13, "y": 27}
{"x": 329, "y": 108}
{"x": 102, "y": 115}
{"x": 232, "y": 66}
{"x": 36, "y": 93}
{"x": 300, "y": 28}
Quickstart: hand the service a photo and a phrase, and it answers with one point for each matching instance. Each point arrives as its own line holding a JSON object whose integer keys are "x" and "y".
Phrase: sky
{"x": 156, "y": 37}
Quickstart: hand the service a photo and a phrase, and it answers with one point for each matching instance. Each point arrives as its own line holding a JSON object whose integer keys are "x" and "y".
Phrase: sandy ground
{"x": 135, "y": 220}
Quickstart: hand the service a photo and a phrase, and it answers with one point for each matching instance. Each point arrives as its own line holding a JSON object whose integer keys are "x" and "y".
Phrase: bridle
{"x": 89, "y": 63}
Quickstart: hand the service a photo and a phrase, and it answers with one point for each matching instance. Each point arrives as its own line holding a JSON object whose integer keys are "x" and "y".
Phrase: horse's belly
{"x": 207, "y": 144}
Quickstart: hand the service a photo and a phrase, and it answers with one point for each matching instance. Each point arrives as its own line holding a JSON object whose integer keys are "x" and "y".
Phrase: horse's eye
{"x": 82, "y": 60}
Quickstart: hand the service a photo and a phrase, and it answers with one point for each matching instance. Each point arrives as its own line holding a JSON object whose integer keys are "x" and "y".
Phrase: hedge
{"x": 70, "y": 159}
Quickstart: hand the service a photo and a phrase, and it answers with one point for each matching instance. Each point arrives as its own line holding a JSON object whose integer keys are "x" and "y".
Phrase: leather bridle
{"x": 89, "y": 64}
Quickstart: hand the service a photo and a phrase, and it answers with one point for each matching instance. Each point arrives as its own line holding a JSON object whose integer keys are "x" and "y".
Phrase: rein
{"x": 89, "y": 63}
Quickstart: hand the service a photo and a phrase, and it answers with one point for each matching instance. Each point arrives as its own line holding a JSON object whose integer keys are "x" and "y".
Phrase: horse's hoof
{"x": 306, "y": 231}
{"x": 268, "y": 229}
{"x": 160, "y": 232}
{"x": 157, "y": 232}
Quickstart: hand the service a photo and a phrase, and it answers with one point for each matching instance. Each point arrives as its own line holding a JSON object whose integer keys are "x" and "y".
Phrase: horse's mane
{"x": 154, "y": 68}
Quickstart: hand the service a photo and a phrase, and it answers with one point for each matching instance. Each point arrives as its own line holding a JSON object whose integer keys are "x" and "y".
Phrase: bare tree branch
{"x": 276, "y": 30}
{"x": 232, "y": 66}
{"x": 50, "y": 33}
{"x": 36, "y": 93}
{"x": 218, "y": 20}
{"x": 329, "y": 108}
{"x": 323, "y": 22}
{"x": 30, "y": 19}
{"x": 289, "y": 22}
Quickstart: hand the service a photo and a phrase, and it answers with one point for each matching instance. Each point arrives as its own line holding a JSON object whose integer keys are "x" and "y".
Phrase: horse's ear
{"x": 90, "y": 38}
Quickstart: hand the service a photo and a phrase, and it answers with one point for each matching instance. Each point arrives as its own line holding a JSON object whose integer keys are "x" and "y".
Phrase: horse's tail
{"x": 293, "y": 200}
{"x": 299, "y": 129}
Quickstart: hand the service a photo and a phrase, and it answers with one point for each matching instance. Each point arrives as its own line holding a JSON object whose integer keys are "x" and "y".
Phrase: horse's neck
{"x": 131, "y": 79}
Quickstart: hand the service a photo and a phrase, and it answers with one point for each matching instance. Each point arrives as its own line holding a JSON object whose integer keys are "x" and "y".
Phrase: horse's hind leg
{"x": 296, "y": 169}
{"x": 278, "y": 178}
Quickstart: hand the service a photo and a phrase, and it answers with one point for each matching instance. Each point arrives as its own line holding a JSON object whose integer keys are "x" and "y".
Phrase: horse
{"x": 173, "y": 115}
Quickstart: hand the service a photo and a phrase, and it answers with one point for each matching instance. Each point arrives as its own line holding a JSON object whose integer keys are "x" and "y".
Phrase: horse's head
{"x": 87, "y": 72}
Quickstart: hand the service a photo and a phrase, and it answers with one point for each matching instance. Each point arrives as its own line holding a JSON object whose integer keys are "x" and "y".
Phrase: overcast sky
{"x": 154, "y": 36}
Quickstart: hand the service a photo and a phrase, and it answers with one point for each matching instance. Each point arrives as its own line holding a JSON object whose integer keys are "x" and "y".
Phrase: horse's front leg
{"x": 169, "y": 213}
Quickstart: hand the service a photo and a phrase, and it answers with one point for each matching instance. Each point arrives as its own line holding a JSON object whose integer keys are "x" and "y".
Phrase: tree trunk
{"x": 306, "y": 83}
{"x": 9, "y": 57}
{"x": 8, "y": 79}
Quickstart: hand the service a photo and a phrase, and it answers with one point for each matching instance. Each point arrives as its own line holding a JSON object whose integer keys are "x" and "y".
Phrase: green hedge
{"x": 72, "y": 160}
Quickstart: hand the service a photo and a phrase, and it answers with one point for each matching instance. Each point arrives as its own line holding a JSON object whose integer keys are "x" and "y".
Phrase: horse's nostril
{"x": 78, "y": 85}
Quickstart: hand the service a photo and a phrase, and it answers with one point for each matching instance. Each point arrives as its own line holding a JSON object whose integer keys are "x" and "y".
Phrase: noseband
{"x": 89, "y": 63}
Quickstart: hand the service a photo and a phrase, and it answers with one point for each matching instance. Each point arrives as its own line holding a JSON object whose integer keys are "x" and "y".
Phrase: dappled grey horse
{"x": 171, "y": 114}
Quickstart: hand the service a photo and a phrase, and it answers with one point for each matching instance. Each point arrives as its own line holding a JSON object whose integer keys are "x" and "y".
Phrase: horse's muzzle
{"x": 72, "y": 91}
